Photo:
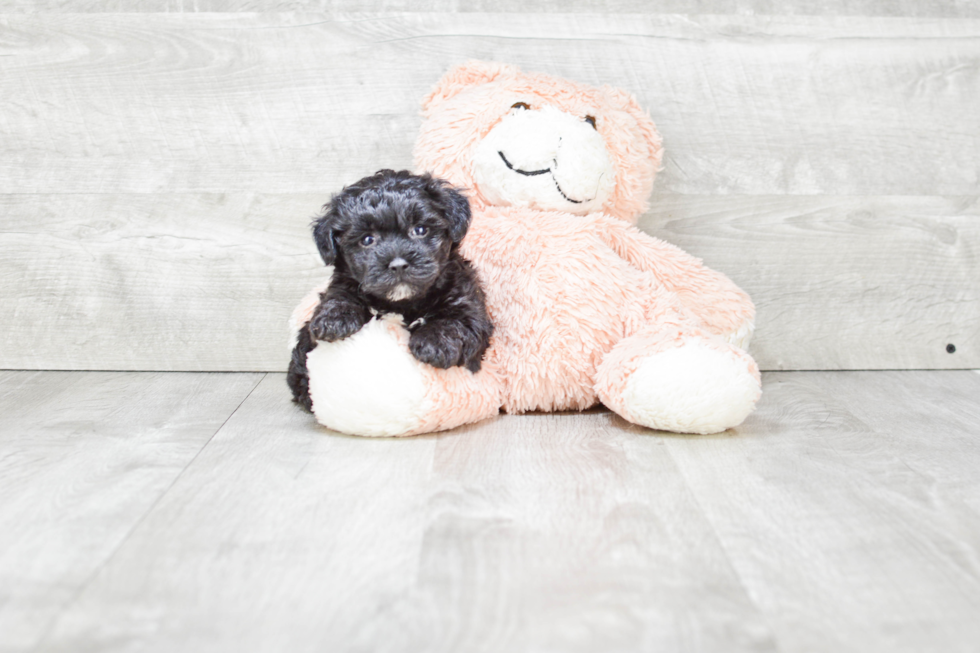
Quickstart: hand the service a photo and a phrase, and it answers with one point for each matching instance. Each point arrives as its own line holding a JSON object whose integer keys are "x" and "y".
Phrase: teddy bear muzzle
{"x": 544, "y": 158}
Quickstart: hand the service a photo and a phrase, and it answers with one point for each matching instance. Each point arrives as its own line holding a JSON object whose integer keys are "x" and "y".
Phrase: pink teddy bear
{"x": 586, "y": 307}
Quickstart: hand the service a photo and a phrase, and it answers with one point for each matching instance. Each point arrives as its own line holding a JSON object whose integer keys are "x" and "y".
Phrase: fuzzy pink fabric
{"x": 565, "y": 290}
{"x": 456, "y": 396}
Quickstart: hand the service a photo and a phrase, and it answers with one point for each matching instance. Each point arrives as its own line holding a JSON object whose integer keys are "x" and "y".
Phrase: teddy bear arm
{"x": 723, "y": 308}
{"x": 335, "y": 380}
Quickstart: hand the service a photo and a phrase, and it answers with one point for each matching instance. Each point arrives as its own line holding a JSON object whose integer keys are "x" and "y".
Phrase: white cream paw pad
{"x": 367, "y": 384}
{"x": 691, "y": 389}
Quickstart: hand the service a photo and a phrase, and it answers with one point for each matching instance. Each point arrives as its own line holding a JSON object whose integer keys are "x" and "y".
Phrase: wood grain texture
{"x": 934, "y": 8}
{"x": 207, "y": 281}
{"x": 843, "y": 282}
{"x": 153, "y": 282}
{"x": 83, "y": 457}
{"x": 844, "y": 515}
{"x": 528, "y": 533}
{"x": 304, "y": 102}
{"x": 850, "y": 506}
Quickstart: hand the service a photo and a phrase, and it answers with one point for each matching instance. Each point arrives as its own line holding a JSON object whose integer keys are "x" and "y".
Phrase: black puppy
{"x": 393, "y": 239}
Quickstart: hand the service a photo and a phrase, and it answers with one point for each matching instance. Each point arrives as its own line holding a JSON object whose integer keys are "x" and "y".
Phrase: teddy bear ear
{"x": 462, "y": 76}
{"x": 639, "y": 165}
{"x": 626, "y": 102}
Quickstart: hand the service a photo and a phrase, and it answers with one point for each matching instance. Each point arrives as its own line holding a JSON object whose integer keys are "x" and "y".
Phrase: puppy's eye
{"x": 520, "y": 105}
{"x": 367, "y": 241}
{"x": 420, "y": 231}
{"x": 591, "y": 121}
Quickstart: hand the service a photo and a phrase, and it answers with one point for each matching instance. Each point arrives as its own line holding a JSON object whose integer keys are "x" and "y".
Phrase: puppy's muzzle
{"x": 401, "y": 291}
{"x": 400, "y": 277}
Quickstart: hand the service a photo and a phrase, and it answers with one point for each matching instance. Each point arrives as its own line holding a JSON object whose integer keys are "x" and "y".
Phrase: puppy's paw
{"x": 434, "y": 346}
{"x": 333, "y": 323}
{"x": 474, "y": 363}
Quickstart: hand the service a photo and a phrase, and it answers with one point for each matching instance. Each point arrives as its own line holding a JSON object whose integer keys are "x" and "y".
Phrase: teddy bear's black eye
{"x": 520, "y": 105}
{"x": 591, "y": 121}
{"x": 420, "y": 231}
{"x": 367, "y": 241}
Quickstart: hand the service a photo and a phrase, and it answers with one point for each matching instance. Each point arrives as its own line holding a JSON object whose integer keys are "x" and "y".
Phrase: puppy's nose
{"x": 398, "y": 264}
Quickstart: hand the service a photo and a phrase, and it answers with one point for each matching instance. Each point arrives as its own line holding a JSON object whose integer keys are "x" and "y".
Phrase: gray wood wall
{"x": 159, "y": 168}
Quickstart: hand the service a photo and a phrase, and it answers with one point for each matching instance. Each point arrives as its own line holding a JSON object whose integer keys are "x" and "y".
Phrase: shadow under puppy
{"x": 393, "y": 239}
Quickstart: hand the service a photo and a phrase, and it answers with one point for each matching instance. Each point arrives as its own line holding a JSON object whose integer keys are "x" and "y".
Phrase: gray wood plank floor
{"x": 84, "y": 456}
{"x": 204, "y": 512}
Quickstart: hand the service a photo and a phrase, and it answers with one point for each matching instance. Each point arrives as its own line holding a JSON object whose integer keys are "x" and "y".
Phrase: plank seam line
{"x": 724, "y": 549}
{"x": 98, "y": 570}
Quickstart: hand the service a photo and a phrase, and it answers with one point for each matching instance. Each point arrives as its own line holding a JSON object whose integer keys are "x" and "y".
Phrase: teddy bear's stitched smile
{"x": 526, "y": 173}
{"x": 533, "y": 173}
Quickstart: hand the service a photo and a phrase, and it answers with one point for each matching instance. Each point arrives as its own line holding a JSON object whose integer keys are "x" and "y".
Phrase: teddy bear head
{"x": 530, "y": 140}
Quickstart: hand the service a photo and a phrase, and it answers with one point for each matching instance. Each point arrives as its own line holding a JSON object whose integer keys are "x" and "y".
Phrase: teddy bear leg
{"x": 684, "y": 381}
{"x": 371, "y": 385}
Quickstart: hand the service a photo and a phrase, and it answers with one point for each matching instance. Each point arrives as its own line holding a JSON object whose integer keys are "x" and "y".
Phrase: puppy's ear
{"x": 324, "y": 234}
{"x": 453, "y": 204}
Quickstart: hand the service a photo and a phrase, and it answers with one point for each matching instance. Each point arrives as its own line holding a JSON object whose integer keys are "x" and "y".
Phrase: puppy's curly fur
{"x": 393, "y": 239}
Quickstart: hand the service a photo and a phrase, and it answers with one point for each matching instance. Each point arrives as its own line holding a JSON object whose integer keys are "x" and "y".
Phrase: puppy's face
{"x": 393, "y": 232}
{"x": 396, "y": 245}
